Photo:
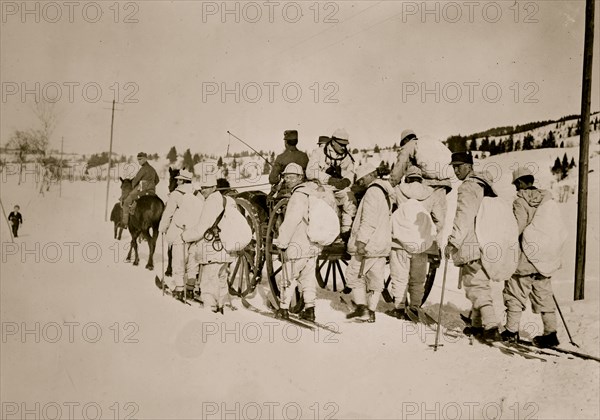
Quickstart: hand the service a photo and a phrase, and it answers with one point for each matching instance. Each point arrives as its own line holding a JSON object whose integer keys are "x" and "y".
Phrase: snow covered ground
{"x": 86, "y": 335}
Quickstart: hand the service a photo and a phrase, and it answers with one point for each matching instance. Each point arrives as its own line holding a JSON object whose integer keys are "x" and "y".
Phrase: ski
{"x": 529, "y": 346}
{"x": 159, "y": 284}
{"x": 272, "y": 315}
{"x": 317, "y": 324}
{"x": 416, "y": 318}
{"x": 297, "y": 318}
{"x": 549, "y": 351}
{"x": 348, "y": 301}
{"x": 511, "y": 350}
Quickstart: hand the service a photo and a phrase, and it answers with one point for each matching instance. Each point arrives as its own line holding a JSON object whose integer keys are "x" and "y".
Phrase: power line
{"x": 323, "y": 31}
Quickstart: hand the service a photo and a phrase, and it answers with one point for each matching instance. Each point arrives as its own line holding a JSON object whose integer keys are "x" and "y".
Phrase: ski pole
{"x": 437, "y": 332}
{"x": 564, "y": 322}
{"x": 162, "y": 258}
{"x": 184, "y": 270}
{"x": 284, "y": 276}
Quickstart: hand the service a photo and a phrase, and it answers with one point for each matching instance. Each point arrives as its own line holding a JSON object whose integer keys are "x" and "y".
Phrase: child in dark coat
{"x": 15, "y": 219}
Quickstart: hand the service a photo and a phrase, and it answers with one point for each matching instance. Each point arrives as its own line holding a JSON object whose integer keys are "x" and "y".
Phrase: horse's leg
{"x": 169, "y": 271}
{"x": 134, "y": 238}
{"x": 151, "y": 247}
{"x": 131, "y": 245}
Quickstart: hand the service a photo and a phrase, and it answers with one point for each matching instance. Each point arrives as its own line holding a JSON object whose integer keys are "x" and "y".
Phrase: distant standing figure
{"x": 15, "y": 219}
{"x": 290, "y": 155}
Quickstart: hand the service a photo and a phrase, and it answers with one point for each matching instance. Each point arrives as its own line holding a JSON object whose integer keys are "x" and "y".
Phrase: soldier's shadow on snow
{"x": 451, "y": 315}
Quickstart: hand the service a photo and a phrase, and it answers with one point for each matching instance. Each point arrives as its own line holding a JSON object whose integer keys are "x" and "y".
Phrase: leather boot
{"x": 361, "y": 313}
{"x": 546, "y": 340}
{"x": 308, "y": 314}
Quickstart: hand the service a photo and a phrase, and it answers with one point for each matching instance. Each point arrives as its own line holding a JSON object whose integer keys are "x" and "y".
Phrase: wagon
{"x": 264, "y": 217}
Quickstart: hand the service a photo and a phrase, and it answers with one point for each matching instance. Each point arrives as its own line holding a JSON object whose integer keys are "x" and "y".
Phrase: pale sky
{"x": 362, "y": 66}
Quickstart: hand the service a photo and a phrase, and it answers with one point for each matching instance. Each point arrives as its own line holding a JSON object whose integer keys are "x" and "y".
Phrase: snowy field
{"x": 86, "y": 335}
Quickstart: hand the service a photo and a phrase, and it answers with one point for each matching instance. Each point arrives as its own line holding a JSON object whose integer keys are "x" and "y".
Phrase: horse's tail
{"x": 116, "y": 213}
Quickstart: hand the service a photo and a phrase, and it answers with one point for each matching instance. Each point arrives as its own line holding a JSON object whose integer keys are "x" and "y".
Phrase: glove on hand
{"x": 361, "y": 248}
{"x": 339, "y": 184}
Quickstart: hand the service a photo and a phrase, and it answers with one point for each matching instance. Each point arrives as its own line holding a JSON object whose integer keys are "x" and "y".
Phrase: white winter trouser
{"x": 407, "y": 271}
{"x": 178, "y": 265}
{"x": 214, "y": 284}
{"x": 518, "y": 289}
{"x": 301, "y": 273}
{"x": 366, "y": 290}
{"x": 479, "y": 291}
{"x": 192, "y": 265}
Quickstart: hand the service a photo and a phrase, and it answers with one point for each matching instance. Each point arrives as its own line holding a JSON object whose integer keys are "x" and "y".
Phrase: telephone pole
{"x": 62, "y": 140}
{"x": 112, "y": 123}
{"x": 584, "y": 146}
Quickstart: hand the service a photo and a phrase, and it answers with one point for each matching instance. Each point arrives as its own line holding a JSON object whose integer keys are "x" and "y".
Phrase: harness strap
{"x": 385, "y": 193}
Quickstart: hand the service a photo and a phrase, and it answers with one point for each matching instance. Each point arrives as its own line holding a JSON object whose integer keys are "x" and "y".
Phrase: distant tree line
{"x": 562, "y": 167}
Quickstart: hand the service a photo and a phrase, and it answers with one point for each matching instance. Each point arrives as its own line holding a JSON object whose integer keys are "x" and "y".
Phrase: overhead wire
{"x": 323, "y": 31}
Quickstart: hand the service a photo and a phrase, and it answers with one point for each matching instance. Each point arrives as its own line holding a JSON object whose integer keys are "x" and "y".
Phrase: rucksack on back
{"x": 323, "y": 222}
{"x": 544, "y": 238}
{"x": 498, "y": 236}
{"x": 434, "y": 158}
{"x": 189, "y": 211}
{"x": 413, "y": 227}
{"x": 235, "y": 232}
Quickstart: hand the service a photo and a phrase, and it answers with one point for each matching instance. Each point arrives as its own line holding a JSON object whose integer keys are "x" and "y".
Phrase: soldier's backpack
{"x": 413, "y": 227}
{"x": 323, "y": 222}
{"x": 231, "y": 231}
{"x": 434, "y": 158}
{"x": 543, "y": 239}
{"x": 497, "y": 233}
{"x": 189, "y": 212}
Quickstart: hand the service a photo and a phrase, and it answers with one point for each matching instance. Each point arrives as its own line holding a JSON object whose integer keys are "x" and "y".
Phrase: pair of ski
{"x": 293, "y": 318}
{"x": 504, "y": 347}
{"x": 523, "y": 348}
{"x": 186, "y": 299}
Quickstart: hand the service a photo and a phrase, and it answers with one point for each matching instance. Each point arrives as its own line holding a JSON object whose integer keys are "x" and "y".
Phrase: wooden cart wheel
{"x": 273, "y": 259}
{"x": 246, "y": 272}
{"x": 332, "y": 263}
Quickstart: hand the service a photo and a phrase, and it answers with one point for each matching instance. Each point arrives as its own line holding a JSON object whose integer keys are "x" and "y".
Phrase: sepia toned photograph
{"x": 376, "y": 209}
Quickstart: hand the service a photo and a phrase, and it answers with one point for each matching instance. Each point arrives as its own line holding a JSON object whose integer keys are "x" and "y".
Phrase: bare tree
{"x": 26, "y": 143}
{"x": 35, "y": 141}
{"x": 47, "y": 115}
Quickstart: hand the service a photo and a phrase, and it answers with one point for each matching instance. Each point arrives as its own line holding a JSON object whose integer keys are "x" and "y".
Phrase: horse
{"x": 147, "y": 214}
{"x": 115, "y": 216}
{"x": 172, "y": 185}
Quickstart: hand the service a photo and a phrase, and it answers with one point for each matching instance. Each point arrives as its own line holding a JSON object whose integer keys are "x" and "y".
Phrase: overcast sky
{"x": 371, "y": 67}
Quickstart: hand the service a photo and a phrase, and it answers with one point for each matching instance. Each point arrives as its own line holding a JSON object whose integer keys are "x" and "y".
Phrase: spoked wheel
{"x": 330, "y": 263}
{"x": 248, "y": 265}
{"x": 273, "y": 257}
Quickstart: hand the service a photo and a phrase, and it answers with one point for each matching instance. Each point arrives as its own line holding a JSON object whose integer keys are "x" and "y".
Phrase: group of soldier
{"x": 367, "y": 232}
{"x": 365, "y": 228}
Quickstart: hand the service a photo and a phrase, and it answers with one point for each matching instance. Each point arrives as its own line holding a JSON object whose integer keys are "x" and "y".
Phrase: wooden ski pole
{"x": 564, "y": 322}
{"x": 162, "y": 257}
{"x": 284, "y": 277}
{"x": 439, "y": 322}
{"x": 7, "y": 222}
{"x": 184, "y": 270}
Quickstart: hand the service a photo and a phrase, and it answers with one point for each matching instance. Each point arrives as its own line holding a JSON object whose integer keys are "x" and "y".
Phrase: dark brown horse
{"x": 115, "y": 216}
{"x": 147, "y": 214}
